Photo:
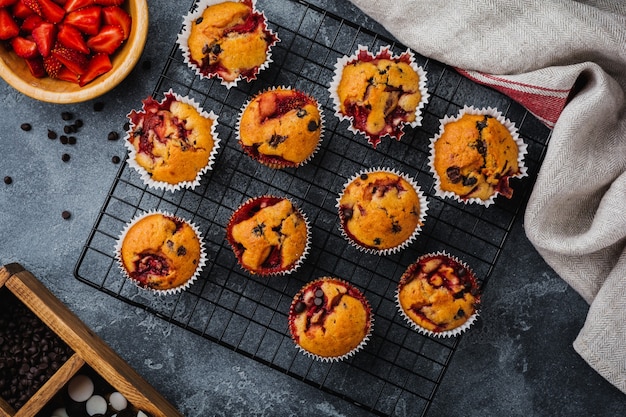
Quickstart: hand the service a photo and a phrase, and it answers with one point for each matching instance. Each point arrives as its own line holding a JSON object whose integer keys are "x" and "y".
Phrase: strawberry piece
{"x": 72, "y": 59}
{"x": 51, "y": 11}
{"x": 107, "y": 40}
{"x": 24, "y": 48}
{"x": 99, "y": 64}
{"x": 44, "y": 36}
{"x": 52, "y": 66}
{"x": 109, "y": 2}
{"x": 8, "y": 26}
{"x": 35, "y": 66}
{"x": 7, "y": 3}
{"x": 34, "y": 6}
{"x": 31, "y": 22}
{"x": 72, "y": 38}
{"x": 87, "y": 19}
{"x": 114, "y": 15}
{"x": 71, "y": 5}
{"x": 67, "y": 75}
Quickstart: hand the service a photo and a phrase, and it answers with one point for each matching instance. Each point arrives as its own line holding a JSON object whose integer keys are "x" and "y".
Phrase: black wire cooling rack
{"x": 399, "y": 369}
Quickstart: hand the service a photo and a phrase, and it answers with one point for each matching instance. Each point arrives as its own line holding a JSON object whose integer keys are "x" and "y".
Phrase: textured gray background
{"x": 517, "y": 361}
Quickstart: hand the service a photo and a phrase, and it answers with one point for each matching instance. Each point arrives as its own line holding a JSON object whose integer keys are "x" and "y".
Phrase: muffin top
{"x": 160, "y": 252}
{"x": 438, "y": 293}
{"x": 280, "y": 127}
{"x": 269, "y": 235}
{"x": 379, "y": 210}
{"x": 172, "y": 140}
{"x": 329, "y": 318}
{"x": 230, "y": 40}
{"x": 380, "y": 94}
{"x": 475, "y": 156}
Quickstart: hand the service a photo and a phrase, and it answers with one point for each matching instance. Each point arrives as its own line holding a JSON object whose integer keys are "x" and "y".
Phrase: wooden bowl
{"x": 15, "y": 72}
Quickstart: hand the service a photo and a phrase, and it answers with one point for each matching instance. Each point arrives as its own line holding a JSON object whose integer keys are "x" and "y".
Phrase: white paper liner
{"x": 420, "y": 223}
{"x": 201, "y": 262}
{"x": 521, "y": 146}
{"x": 347, "y": 355}
{"x": 345, "y": 60}
{"x": 307, "y": 246}
{"x": 183, "y": 38}
{"x": 145, "y": 175}
{"x": 321, "y": 127}
{"x": 448, "y": 333}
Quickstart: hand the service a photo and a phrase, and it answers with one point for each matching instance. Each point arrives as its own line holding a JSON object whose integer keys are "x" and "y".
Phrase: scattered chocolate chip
{"x": 126, "y": 126}
{"x": 71, "y": 140}
{"x": 454, "y": 174}
{"x": 276, "y": 140}
{"x": 115, "y": 159}
{"x": 8, "y": 180}
{"x": 66, "y": 115}
{"x": 299, "y": 307}
{"x": 66, "y": 214}
{"x": 199, "y": 20}
{"x": 98, "y": 106}
{"x": 347, "y": 213}
{"x": 52, "y": 134}
{"x": 26, "y": 127}
{"x": 64, "y": 139}
{"x": 181, "y": 251}
{"x": 113, "y": 136}
{"x": 363, "y": 176}
{"x": 469, "y": 181}
{"x": 65, "y": 157}
{"x": 78, "y": 123}
{"x": 68, "y": 129}
{"x": 312, "y": 126}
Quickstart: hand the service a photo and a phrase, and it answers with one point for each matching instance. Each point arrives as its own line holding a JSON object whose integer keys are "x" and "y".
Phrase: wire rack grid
{"x": 399, "y": 370}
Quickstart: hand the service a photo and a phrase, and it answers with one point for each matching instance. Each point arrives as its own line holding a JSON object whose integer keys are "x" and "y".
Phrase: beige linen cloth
{"x": 537, "y": 51}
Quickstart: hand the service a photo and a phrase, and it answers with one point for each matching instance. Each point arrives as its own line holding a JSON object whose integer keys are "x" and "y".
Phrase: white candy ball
{"x": 96, "y": 405}
{"x": 117, "y": 401}
{"x": 80, "y": 388}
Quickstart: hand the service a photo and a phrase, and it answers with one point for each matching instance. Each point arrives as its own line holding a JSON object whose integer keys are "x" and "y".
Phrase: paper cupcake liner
{"x": 334, "y": 84}
{"x": 418, "y": 228}
{"x": 201, "y": 262}
{"x": 281, "y": 166}
{"x": 145, "y": 175}
{"x": 346, "y": 355}
{"x": 183, "y": 38}
{"x": 296, "y": 264}
{"x": 521, "y": 145}
{"x": 443, "y": 334}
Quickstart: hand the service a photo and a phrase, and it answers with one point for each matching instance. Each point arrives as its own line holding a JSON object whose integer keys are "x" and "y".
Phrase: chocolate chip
{"x": 113, "y": 136}
{"x": 98, "y": 106}
{"x": 66, "y": 115}
{"x": 64, "y": 139}
{"x": 68, "y": 129}
{"x": 312, "y": 126}
{"x": 469, "y": 181}
{"x": 65, "y": 157}
{"x": 276, "y": 140}
{"x": 299, "y": 307}
{"x": 363, "y": 176}
{"x": 347, "y": 213}
{"x": 52, "y": 134}
{"x": 71, "y": 140}
{"x": 181, "y": 251}
{"x": 115, "y": 159}
{"x": 66, "y": 214}
{"x": 8, "y": 180}
{"x": 126, "y": 126}
{"x": 78, "y": 123}
{"x": 26, "y": 127}
{"x": 454, "y": 174}
{"x": 199, "y": 20}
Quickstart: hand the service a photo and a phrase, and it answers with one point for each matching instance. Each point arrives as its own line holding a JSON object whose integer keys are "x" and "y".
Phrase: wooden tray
{"x": 88, "y": 349}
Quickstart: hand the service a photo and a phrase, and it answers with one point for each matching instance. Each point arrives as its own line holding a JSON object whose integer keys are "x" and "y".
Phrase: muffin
{"x": 438, "y": 295}
{"x": 269, "y": 235}
{"x": 172, "y": 142}
{"x": 381, "y": 211}
{"x": 379, "y": 94}
{"x": 226, "y": 39}
{"x": 475, "y": 154}
{"x": 161, "y": 252}
{"x": 280, "y": 127}
{"x": 330, "y": 319}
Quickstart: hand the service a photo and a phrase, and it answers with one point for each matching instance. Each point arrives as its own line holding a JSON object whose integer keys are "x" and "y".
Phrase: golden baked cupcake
{"x": 226, "y": 39}
{"x": 269, "y": 235}
{"x": 330, "y": 319}
{"x": 438, "y": 295}
{"x": 161, "y": 252}
{"x": 381, "y": 211}
{"x": 171, "y": 142}
{"x": 280, "y": 127}
{"x": 475, "y": 154}
{"x": 379, "y": 94}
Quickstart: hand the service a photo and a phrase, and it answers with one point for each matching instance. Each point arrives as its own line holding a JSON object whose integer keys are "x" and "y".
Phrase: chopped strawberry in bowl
{"x": 67, "y": 51}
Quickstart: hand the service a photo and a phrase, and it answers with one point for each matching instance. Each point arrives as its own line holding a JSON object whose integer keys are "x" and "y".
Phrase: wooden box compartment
{"x": 87, "y": 351}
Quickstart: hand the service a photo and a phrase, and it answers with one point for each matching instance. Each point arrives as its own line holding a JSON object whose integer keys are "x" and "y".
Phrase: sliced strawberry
{"x": 71, "y": 5}
{"x": 107, "y": 40}
{"x": 87, "y": 19}
{"x": 7, "y": 3}
{"x": 34, "y": 6}
{"x": 72, "y": 38}
{"x": 31, "y": 22}
{"x": 52, "y": 66}
{"x": 109, "y": 2}
{"x": 35, "y": 66}
{"x": 8, "y": 26}
{"x": 114, "y": 15}
{"x": 44, "y": 36}
{"x": 67, "y": 75}
{"x": 51, "y": 11}
{"x": 72, "y": 59}
{"x": 99, "y": 64}
{"x": 24, "y": 48}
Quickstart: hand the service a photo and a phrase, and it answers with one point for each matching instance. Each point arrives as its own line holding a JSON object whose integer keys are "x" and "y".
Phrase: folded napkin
{"x": 565, "y": 61}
